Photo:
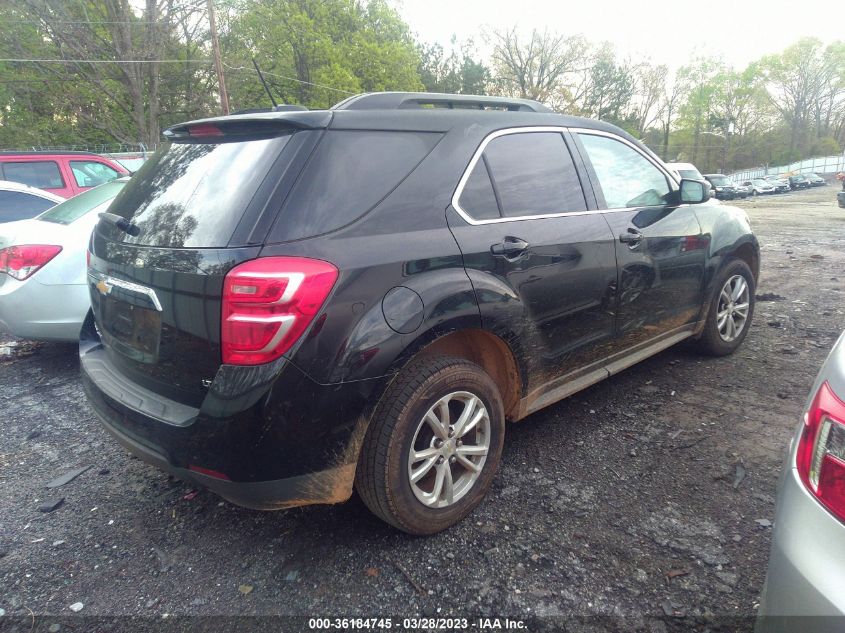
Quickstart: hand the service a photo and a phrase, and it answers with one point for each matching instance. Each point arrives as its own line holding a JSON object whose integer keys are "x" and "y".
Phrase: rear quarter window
{"x": 349, "y": 174}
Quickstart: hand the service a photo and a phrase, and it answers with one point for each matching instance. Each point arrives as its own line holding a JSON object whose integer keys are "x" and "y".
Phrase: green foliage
{"x": 317, "y": 52}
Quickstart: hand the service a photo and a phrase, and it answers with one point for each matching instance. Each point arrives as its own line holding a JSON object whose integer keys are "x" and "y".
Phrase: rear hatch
{"x": 200, "y": 206}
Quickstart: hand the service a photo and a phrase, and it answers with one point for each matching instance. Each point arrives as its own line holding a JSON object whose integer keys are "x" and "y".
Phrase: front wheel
{"x": 730, "y": 312}
{"x": 433, "y": 446}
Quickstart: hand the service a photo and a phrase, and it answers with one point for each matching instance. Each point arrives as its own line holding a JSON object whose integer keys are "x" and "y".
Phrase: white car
{"x": 43, "y": 287}
{"x": 21, "y": 202}
{"x": 686, "y": 170}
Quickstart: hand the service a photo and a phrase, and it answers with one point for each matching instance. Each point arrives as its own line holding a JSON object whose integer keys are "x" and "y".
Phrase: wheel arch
{"x": 480, "y": 346}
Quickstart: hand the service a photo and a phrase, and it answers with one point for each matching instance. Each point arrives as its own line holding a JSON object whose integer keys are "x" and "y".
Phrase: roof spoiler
{"x": 416, "y": 100}
{"x": 250, "y": 124}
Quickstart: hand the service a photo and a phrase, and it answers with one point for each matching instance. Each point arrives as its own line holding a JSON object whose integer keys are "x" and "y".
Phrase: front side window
{"x": 43, "y": 174}
{"x": 523, "y": 174}
{"x": 89, "y": 173}
{"x": 627, "y": 178}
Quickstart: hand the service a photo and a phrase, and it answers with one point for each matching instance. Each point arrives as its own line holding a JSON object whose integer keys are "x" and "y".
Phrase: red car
{"x": 62, "y": 173}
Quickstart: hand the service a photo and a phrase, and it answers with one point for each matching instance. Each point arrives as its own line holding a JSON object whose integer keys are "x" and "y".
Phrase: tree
{"x": 539, "y": 67}
{"x": 459, "y": 72}
{"x": 317, "y": 52}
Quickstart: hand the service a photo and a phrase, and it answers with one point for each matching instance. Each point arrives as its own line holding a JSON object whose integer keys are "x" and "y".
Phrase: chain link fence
{"x": 820, "y": 165}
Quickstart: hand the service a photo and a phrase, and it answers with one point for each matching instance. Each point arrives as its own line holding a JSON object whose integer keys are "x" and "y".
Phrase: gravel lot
{"x": 647, "y": 497}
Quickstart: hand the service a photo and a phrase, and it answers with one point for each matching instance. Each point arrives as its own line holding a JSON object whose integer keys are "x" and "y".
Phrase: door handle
{"x": 632, "y": 238}
{"x": 509, "y": 247}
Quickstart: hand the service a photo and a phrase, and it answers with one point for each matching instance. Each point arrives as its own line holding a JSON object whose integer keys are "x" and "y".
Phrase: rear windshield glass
{"x": 193, "y": 194}
{"x": 720, "y": 181}
{"x": 73, "y": 209}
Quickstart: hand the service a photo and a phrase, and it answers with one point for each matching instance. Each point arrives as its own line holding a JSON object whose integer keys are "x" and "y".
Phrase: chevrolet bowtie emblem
{"x": 103, "y": 287}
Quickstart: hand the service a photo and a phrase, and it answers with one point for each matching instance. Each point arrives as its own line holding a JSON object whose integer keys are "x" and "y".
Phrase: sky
{"x": 664, "y": 32}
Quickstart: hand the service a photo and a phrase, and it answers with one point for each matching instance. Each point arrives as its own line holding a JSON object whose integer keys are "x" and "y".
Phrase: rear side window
{"x": 193, "y": 194}
{"x": 74, "y": 208}
{"x": 16, "y": 205}
{"x": 43, "y": 174}
{"x": 349, "y": 173}
{"x": 90, "y": 173}
{"x": 529, "y": 173}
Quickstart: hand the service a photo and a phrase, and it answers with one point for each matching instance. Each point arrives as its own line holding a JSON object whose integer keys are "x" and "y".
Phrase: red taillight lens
{"x": 24, "y": 261}
{"x": 268, "y": 303}
{"x": 821, "y": 450}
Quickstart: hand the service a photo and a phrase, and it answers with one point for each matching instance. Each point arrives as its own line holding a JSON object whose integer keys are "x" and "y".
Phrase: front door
{"x": 543, "y": 265}
{"x": 660, "y": 249}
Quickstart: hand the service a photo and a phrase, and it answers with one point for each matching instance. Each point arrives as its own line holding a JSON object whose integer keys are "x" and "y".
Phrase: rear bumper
{"x": 806, "y": 576}
{"x": 283, "y": 442}
{"x": 32, "y": 310}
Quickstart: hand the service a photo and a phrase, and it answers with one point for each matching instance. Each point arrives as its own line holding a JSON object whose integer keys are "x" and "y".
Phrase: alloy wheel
{"x": 732, "y": 311}
{"x": 449, "y": 449}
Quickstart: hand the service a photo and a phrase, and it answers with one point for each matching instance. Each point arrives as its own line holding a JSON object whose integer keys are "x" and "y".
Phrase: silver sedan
{"x": 805, "y": 584}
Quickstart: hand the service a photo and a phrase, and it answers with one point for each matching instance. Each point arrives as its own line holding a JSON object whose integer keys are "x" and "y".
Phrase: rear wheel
{"x": 730, "y": 312}
{"x": 433, "y": 446}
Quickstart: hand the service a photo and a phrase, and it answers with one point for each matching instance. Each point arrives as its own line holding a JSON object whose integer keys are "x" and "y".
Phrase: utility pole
{"x": 218, "y": 63}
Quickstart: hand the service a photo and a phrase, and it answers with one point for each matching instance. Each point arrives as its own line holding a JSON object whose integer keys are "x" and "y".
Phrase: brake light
{"x": 267, "y": 305}
{"x": 821, "y": 450}
{"x": 22, "y": 262}
{"x": 204, "y": 129}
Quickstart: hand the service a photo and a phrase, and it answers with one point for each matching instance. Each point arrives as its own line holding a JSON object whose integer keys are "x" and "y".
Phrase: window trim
{"x": 560, "y": 130}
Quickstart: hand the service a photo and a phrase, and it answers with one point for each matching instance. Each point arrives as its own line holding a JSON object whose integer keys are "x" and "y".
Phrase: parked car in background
{"x": 43, "y": 293}
{"x": 781, "y": 185}
{"x": 798, "y": 181}
{"x": 806, "y": 575}
{"x": 743, "y": 191}
{"x": 281, "y": 308}
{"x": 686, "y": 170}
{"x": 20, "y": 202}
{"x": 723, "y": 187}
{"x": 759, "y": 186}
{"x": 64, "y": 174}
{"x": 815, "y": 180}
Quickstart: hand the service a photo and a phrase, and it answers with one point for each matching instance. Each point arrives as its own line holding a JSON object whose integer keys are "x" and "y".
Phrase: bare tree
{"x": 536, "y": 68}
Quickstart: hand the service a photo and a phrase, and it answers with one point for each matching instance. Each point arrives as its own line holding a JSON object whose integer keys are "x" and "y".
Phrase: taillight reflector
{"x": 267, "y": 305}
{"x": 22, "y": 262}
{"x": 820, "y": 457}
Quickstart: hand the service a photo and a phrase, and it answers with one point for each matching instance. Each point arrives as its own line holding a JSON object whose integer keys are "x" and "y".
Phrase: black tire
{"x": 711, "y": 342}
{"x": 382, "y": 478}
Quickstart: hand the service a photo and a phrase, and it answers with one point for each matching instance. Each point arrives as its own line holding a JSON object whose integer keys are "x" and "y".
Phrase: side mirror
{"x": 694, "y": 191}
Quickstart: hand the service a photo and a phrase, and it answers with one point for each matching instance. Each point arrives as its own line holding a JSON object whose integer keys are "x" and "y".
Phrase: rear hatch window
{"x": 193, "y": 195}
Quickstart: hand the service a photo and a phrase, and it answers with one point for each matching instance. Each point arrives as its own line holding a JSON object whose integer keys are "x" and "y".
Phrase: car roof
{"x": 50, "y": 153}
{"x": 416, "y": 111}
{"x": 9, "y": 185}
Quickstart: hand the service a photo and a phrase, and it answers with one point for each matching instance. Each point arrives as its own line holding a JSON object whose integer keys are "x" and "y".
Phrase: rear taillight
{"x": 821, "y": 450}
{"x": 268, "y": 303}
{"x": 22, "y": 262}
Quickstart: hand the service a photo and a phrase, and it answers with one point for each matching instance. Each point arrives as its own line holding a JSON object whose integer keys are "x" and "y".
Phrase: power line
{"x": 108, "y": 61}
{"x": 302, "y": 81}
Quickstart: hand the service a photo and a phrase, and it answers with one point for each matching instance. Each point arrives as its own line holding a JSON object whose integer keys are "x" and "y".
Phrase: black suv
{"x": 723, "y": 187}
{"x": 287, "y": 304}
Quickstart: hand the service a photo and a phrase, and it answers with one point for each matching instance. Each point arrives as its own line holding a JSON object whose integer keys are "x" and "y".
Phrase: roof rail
{"x": 412, "y": 100}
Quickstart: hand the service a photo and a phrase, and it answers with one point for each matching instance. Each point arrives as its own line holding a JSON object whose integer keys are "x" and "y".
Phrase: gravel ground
{"x": 647, "y": 497}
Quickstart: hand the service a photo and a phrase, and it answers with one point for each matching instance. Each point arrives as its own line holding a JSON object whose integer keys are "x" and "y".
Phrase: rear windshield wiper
{"x": 122, "y": 223}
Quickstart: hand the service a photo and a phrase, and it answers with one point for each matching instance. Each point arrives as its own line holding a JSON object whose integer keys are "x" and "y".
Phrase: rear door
{"x": 659, "y": 245}
{"x": 202, "y": 205}
{"x": 541, "y": 261}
